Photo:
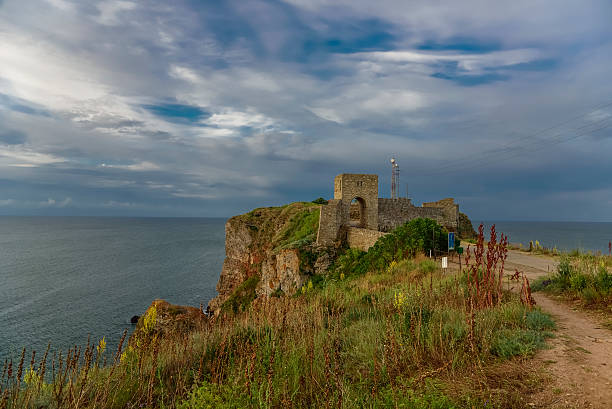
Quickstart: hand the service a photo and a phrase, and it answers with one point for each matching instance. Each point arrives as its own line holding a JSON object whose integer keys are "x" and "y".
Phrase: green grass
{"x": 405, "y": 335}
{"x": 581, "y": 276}
{"x": 242, "y": 297}
{"x": 301, "y": 230}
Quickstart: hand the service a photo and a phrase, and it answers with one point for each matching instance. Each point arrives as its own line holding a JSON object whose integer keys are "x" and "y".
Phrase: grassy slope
{"x": 393, "y": 339}
{"x": 405, "y": 336}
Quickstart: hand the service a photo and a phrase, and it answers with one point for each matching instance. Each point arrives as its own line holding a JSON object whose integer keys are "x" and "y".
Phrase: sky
{"x": 212, "y": 108}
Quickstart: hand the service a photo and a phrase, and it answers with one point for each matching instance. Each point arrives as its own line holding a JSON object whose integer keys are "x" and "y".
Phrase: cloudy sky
{"x": 211, "y": 108}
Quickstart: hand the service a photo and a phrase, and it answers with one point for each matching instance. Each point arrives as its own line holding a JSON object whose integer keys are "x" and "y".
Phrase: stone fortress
{"x": 356, "y": 213}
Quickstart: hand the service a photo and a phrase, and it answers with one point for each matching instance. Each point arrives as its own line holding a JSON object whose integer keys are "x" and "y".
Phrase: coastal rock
{"x": 466, "y": 229}
{"x": 163, "y": 319}
{"x": 274, "y": 244}
{"x": 134, "y": 319}
{"x": 281, "y": 272}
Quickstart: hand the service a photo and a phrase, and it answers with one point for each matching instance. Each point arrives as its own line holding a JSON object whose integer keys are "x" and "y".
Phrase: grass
{"x": 301, "y": 229}
{"x": 243, "y": 296}
{"x": 584, "y": 277}
{"x": 400, "y": 338}
{"x": 407, "y": 335}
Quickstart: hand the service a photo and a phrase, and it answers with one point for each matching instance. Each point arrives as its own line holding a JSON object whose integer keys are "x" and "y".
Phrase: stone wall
{"x": 330, "y": 220}
{"x": 392, "y": 213}
{"x": 362, "y": 239}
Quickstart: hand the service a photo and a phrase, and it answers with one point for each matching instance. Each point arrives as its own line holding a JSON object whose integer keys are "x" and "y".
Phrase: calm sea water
{"x": 567, "y": 236}
{"x": 62, "y": 278}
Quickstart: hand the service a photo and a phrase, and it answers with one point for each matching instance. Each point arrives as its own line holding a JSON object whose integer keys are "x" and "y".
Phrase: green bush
{"x": 211, "y": 396}
{"x": 320, "y": 200}
{"x": 428, "y": 266}
{"x": 512, "y": 342}
{"x": 538, "y": 321}
{"x": 578, "y": 281}
{"x": 603, "y": 280}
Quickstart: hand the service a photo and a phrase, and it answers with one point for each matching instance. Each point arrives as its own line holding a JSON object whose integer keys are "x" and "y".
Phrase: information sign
{"x": 451, "y": 240}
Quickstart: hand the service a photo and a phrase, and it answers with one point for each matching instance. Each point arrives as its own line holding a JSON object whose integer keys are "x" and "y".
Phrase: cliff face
{"x": 272, "y": 251}
{"x": 269, "y": 251}
{"x": 466, "y": 229}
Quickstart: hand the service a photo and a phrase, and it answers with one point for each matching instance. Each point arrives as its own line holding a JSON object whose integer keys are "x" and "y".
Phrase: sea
{"x": 64, "y": 279}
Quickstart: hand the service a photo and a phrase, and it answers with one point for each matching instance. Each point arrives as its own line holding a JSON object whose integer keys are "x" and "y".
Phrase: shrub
{"x": 211, "y": 396}
{"x": 539, "y": 321}
{"x": 512, "y": 342}
{"x": 320, "y": 200}
{"x": 428, "y": 266}
{"x": 578, "y": 281}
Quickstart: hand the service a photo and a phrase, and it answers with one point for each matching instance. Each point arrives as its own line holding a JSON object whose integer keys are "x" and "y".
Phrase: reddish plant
{"x": 485, "y": 274}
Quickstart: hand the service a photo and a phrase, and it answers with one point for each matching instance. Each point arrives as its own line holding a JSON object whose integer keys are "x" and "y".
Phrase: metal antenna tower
{"x": 395, "y": 183}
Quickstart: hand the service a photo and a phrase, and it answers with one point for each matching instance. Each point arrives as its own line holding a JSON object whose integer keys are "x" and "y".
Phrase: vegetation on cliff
{"x": 284, "y": 226}
{"x": 407, "y": 335}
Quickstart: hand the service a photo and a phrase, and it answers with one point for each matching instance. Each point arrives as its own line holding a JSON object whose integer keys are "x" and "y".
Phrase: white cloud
{"x": 110, "y": 11}
{"x": 50, "y": 202}
{"x": 185, "y": 74}
{"x": 63, "y": 5}
{"x": 113, "y": 203}
{"x": 468, "y": 62}
{"x": 8, "y": 202}
{"x": 237, "y": 119}
{"x": 25, "y": 157}
{"x": 143, "y": 166}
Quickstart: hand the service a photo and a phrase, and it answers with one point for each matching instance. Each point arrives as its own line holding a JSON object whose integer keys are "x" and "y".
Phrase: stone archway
{"x": 357, "y": 213}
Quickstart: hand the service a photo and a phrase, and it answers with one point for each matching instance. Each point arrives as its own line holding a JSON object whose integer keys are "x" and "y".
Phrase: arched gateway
{"x": 369, "y": 216}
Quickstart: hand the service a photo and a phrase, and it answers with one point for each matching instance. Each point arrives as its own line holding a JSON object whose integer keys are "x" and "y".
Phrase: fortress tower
{"x": 358, "y": 215}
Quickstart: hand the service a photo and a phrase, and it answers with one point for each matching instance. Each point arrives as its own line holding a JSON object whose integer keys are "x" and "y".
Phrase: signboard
{"x": 444, "y": 262}
{"x": 451, "y": 240}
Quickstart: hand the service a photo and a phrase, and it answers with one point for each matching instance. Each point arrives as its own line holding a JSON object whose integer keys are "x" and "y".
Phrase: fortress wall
{"x": 362, "y": 239}
{"x": 392, "y": 213}
{"x": 330, "y": 221}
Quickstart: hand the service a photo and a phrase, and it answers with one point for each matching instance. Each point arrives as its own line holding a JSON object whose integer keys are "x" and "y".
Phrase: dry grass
{"x": 407, "y": 337}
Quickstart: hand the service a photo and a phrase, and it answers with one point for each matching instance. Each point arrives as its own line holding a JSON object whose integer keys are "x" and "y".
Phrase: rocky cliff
{"x": 269, "y": 251}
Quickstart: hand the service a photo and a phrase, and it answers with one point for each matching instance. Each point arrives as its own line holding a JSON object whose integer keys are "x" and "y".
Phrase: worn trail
{"x": 580, "y": 358}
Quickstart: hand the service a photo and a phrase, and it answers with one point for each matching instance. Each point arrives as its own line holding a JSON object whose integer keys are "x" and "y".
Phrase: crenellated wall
{"x": 392, "y": 213}
{"x": 375, "y": 214}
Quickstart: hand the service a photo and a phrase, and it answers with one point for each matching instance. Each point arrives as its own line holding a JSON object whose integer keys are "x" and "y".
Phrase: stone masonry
{"x": 376, "y": 215}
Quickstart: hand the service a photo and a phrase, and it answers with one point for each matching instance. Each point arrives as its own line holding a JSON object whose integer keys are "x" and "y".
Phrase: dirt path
{"x": 580, "y": 358}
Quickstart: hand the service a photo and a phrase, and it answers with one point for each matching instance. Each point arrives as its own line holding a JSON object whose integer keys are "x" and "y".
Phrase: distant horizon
{"x": 474, "y": 221}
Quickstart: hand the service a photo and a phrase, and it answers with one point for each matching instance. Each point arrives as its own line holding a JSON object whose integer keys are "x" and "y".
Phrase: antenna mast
{"x": 395, "y": 183}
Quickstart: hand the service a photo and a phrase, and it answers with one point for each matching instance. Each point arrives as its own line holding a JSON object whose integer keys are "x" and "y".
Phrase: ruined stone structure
{"x": 372, "y": 216}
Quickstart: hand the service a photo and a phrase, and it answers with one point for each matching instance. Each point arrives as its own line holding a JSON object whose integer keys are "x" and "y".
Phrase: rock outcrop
{"x": 274, "y": 247}
{"x": 466, "y": 230}
{"x": 162, "y": 319}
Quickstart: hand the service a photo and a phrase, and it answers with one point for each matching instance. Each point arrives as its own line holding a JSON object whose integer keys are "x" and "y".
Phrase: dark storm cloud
{"x": 212, "y": 108}
{"x": 12, "y": 137}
